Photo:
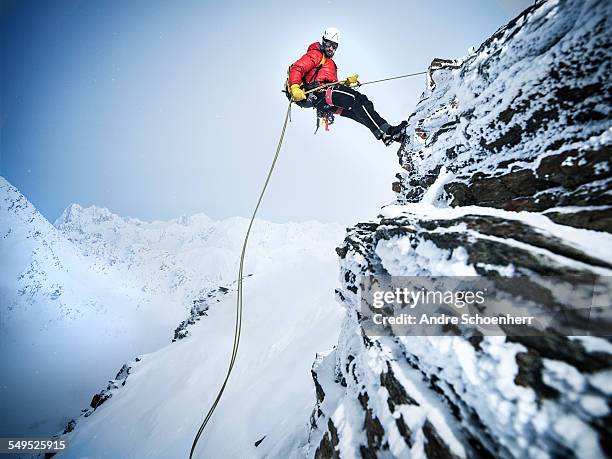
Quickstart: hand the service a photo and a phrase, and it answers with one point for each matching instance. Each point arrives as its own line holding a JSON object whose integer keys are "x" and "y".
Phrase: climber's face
{"x": 329, "y": 47}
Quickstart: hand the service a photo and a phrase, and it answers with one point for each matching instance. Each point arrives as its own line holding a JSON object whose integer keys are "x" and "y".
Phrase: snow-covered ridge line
{"x": 507, "y": 173}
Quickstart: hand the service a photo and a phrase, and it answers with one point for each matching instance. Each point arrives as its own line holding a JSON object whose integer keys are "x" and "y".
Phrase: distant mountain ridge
{"x": 96, "y": 290}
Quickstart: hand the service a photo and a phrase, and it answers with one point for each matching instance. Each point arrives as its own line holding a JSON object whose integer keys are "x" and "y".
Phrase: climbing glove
{"x": 297, "y": 93}
{"x": 350, "y": 81}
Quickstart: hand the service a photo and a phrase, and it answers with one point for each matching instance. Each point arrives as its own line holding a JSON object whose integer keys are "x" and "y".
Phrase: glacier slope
{"x": 97, "y": 290}
{"x": 289, "y": 315}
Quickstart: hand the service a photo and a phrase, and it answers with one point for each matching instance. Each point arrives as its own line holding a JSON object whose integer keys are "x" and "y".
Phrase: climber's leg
{"x": 357, "y": 107}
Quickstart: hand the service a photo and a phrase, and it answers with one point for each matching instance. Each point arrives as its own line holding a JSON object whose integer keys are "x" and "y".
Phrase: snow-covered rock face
{"x": 507, "y": 171}
{"x": 524, "y": 122}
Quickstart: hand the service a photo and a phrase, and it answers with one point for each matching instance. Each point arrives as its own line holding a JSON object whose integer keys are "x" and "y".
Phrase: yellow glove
{"x": 297, "y": 93}
{"x": 350, "y": 81}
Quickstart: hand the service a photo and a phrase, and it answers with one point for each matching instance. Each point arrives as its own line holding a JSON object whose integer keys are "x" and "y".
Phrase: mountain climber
{"x": 317, "y": 67}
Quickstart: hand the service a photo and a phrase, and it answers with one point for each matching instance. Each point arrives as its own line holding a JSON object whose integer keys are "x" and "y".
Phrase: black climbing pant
{"x": 345, "y": 101}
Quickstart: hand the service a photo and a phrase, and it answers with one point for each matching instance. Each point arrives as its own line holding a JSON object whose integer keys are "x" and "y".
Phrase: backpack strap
{"x": 319, "y": 67}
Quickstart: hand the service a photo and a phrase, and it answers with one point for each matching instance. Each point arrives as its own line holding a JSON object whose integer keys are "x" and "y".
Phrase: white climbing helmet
{"x": 332, "y": 34}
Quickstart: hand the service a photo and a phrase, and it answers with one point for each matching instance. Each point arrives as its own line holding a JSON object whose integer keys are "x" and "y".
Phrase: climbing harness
{"x": 238, "y": 325}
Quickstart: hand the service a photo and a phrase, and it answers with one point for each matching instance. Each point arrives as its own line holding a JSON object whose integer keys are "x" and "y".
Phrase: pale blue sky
{"x": 156, "y": 109}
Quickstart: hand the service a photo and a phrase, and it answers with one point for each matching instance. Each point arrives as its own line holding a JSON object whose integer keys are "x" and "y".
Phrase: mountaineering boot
{"x": 394, "y": 133}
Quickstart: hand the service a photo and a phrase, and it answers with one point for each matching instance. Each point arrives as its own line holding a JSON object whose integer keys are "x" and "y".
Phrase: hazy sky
{"x": 157, "y": 109}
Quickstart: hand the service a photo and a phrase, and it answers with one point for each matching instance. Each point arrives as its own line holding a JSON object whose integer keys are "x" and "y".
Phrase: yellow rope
{"x": 238, "y": 326}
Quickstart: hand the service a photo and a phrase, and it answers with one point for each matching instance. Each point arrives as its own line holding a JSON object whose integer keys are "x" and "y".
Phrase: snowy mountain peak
{"x": 195, "y": 219}
{"x": 15, "y": 209}
{"x": 77, "y": 217}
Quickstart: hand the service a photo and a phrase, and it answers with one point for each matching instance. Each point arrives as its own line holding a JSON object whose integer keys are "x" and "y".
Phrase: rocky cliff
{"x": 506, "y": 172}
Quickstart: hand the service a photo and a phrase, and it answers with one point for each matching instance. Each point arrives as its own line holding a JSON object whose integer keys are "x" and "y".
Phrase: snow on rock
{"x": 506, "y": 172}
{"x": 523, "y": 123}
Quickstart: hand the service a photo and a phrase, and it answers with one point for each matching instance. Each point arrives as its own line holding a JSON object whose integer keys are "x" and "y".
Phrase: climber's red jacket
{"x": 304, "y": 70}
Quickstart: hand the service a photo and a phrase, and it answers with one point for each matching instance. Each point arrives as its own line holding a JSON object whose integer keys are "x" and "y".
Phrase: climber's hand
{"x": 297, "y": 93}
{"x": 350, "y": 81}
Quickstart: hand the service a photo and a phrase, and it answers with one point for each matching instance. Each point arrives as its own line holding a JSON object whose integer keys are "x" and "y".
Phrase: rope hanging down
{"x": 238, "y": 326}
